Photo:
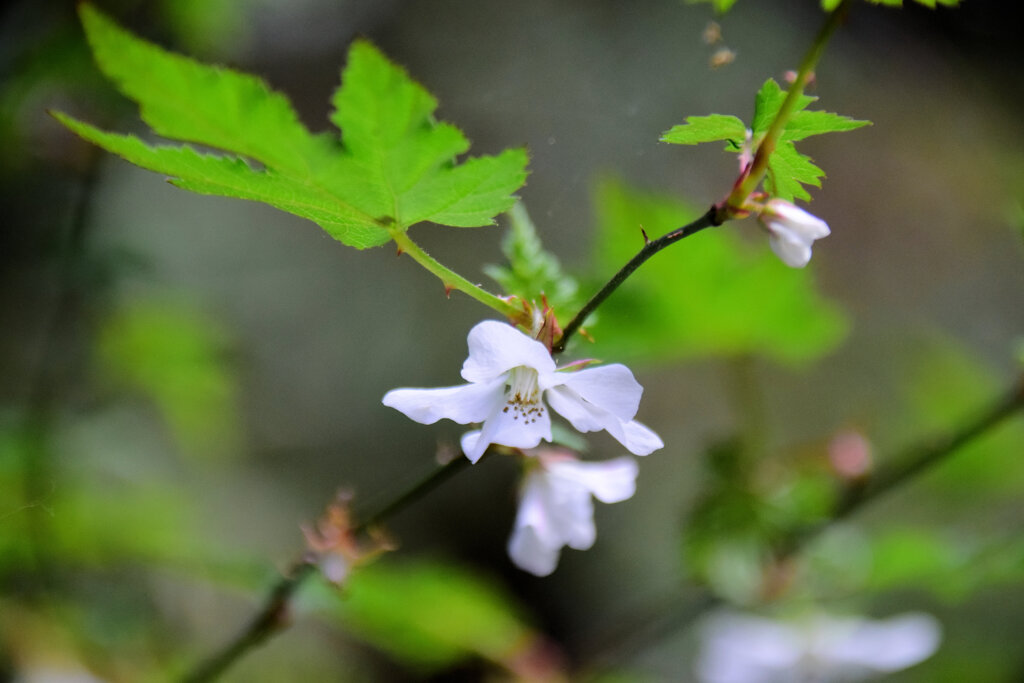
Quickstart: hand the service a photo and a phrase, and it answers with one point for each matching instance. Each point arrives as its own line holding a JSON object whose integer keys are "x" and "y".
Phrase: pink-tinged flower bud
{"x": 792, "y": 231}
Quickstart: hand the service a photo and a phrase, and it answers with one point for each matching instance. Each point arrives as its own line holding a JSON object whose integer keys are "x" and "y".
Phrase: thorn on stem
{"x": 398, "y": 250}
{"x": 448, "y": 291}
{"x": 647, "y": 240}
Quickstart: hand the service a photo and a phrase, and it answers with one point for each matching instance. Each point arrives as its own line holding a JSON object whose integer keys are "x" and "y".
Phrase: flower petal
{"x": 469, "y": 442}
{"x": 611, "y": 387}
{"x": 463, "y": 404}
{"x": 584, "y": 417}
{"x": 496, "y": 347}
{"x": 507, "y": 429}
{"x": 610, "y": 482}
{"x": 535, "y": 543}
{"x": 571, "y": 510}
{"x": 588, "y": 417}
{"x": 530, "y": 554}
{"x": 794, "y": 251}
{"x": 887, "y": 645}
{"x": 639, "y": 439}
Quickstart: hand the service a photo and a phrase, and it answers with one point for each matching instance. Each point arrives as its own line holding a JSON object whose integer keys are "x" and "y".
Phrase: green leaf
{"x": 394, "y": 166}
{"x": 431, "y": 614}
{"x": 767, "y": 103}
{"x": 946, "y": 387}
{"x": 184, "y": 100}
{"x": 233, "y": 177}
{"x": 830, "y": 5}
{"x": 699, "y": 129}
{"x": 469, "y": 195}
{"x": 788, "y": 171}
{"x": 532, "y": 271}
{"x": 711, "y": 295}
{"x": 804, "y": 124}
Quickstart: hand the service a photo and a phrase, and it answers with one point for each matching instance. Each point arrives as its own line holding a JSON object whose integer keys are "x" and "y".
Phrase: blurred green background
{"x": 185, "y": 380}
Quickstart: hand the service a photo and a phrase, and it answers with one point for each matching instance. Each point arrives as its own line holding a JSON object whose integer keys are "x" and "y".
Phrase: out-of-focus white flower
{"x": 792, "y": 231}
{"x": 556, "y": 509}
{"x": 737, "y": 648}
{"x": 508, "y": 372}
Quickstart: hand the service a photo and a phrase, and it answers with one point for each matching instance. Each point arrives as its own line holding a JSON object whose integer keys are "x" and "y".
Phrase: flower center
{"x": 523, "y": 397}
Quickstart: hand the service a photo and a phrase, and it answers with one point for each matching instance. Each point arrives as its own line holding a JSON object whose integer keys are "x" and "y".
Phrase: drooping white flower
{"x": 555, "y": 507}
{"x": 792, "y": 231}
{"x": 508, "y": 374}
{"x": 738, "y": 648}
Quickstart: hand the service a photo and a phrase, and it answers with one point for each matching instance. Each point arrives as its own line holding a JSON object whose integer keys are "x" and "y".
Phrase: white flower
{"x": 737, "y": 648}
{"x": 508, "y": 372}
{"x": 556, "y": 509}
{"x": 792, "y": 231}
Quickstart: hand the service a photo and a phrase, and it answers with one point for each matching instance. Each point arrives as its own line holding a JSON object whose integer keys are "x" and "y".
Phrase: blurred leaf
{"x": 532, "y": 271}
{"x": 395, "y": 168}
{"x": 177, "y": 358}
{"x": 945, "y": 388}
{"x": 429, "y": 614}
{"x": 710, "y": 295}
{"x": 941, "y": 562}
{"x": 904, "y": 558}
{"x": 720, "y": 6}
{"x": 205, "y": 25}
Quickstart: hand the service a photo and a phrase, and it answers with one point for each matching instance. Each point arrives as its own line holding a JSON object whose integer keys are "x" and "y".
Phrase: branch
{"x": 667, "y": 616}
{"x": 708, "y": 220}
{"x": 274, "y": 616}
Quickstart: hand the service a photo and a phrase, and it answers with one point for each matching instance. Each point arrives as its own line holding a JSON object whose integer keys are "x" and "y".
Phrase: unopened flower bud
{"x": 792, "y": 231}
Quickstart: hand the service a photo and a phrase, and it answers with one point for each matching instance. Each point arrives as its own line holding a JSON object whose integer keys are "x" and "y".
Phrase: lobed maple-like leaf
{"x": 788, "y": 169}
{"x": 392, "y": 167}
{"x": 698, "y": 129}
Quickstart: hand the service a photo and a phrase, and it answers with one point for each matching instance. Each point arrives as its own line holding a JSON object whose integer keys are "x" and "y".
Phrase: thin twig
{"x": 708, "y": 220}
{"x": 673, "y": 613}
{"x": 274, "y": 615}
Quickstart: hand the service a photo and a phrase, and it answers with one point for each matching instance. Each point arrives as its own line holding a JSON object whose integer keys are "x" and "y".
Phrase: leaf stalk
{"x": 454, "y": 281}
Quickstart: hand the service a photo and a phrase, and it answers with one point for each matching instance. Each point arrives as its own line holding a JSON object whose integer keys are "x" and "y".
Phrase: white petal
{"x": 889, "y": 645}
{"x": 582, "y": 416}
{"x": 806, "y": 224}
{"x": 610, "y": 482}
{"x": 507, "y": 429}
{"x": 559, "y": 509}
{"x": 469, "y": 443}
{"x": 744, "y": 649}
{"x": 611, "y": 387}
{"x": 571, "y": 510}
{"x": 530, "y": 554}
{"x": 535, "y": 542}
{"x": 463, "y": 404}
{"x": 587, "y": 417}
{"x": 639, "y": 439}
{"x": 794, "y": 251}
{"x": 495, "y": 348}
